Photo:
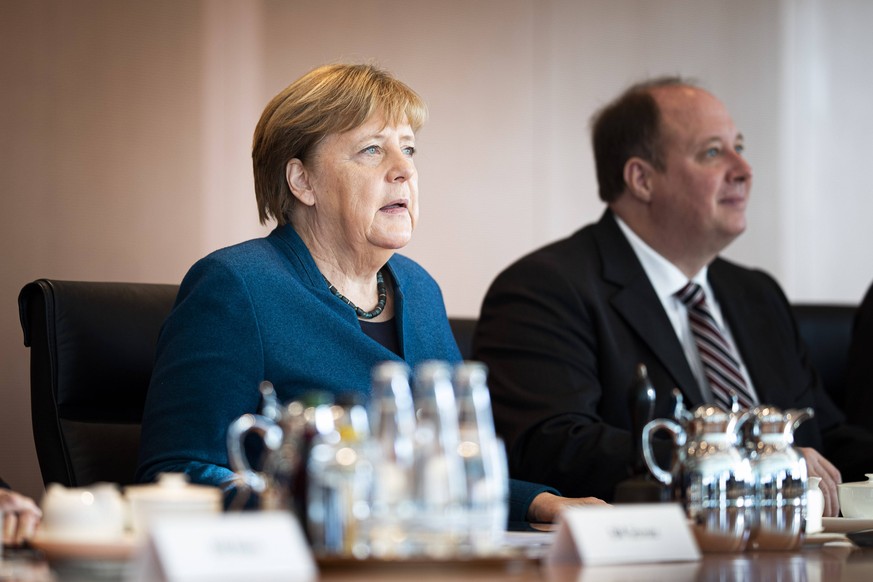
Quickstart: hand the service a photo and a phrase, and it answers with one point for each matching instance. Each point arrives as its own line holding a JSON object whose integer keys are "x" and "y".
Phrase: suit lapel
{"x": 637, "y": 303}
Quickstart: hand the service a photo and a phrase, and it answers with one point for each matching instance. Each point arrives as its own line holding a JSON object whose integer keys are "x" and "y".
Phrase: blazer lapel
{"x": 637, "y": 303}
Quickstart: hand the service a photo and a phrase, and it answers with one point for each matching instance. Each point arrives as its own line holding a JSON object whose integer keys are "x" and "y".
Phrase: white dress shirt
{"x": 667, "y": 279}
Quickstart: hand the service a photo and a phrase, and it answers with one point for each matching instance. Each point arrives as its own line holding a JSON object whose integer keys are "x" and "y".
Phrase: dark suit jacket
{"x": 563, "y": 328}
{"x": 859, "y": 375}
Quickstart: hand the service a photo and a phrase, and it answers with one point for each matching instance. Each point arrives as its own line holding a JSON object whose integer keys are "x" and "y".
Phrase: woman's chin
{"x": 393, "y": 242}
{"x": 395, "y": 237}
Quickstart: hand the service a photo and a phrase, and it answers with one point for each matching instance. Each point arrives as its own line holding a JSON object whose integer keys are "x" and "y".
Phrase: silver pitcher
{"x": 716, "y": 482}
{"x": 781, "y": 477}
{"x": 279, "y": 481}
{"x": 260, "y": 484}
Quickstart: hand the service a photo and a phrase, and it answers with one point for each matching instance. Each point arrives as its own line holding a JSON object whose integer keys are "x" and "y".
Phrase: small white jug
{"x": 83, "y": 514}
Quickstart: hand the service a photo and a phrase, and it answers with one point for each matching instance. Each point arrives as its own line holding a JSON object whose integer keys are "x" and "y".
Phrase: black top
{"x": 384, "y": 332}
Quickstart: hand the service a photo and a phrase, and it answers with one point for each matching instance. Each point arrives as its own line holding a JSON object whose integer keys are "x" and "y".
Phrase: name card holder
{"x": 232, "y": 546}
{"x": 624, "y": 534}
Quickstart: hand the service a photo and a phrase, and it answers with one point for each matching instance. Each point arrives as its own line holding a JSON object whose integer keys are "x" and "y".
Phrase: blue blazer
{"x": 260, "y": 310}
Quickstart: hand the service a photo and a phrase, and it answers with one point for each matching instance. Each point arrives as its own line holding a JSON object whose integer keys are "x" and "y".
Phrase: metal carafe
{"x": 716, "y": 482}
{"x": 286, "y": 431}
{"x": 256, "y": 486}
{"x": 781, "y": 477}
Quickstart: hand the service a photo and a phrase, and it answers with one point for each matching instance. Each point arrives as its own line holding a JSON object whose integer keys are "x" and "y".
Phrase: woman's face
{"x": 365, "y": 186}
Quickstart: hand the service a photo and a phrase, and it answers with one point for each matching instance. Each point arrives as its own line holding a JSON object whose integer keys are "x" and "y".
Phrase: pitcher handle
{"x": 794, "y": 418}
{"x": 678, "y": 434}
{"x": 271, "y": 435}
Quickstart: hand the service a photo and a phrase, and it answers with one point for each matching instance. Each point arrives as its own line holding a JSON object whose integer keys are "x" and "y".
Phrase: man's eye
{"x": 740, "y": 148}
{"x": 711, "y": 152}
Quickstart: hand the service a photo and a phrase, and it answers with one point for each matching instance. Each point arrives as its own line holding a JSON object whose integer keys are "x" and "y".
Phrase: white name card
{"x": 624, "y": 534}
{"x": 667, "y": 572}
{"x": 230, "y": 546}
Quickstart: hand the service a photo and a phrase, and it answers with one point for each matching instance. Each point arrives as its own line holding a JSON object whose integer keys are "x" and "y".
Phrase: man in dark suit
{"x": 564, "y": 327}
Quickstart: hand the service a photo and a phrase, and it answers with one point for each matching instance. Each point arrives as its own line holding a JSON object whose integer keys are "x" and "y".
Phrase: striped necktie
{"x": 720, "y": 365}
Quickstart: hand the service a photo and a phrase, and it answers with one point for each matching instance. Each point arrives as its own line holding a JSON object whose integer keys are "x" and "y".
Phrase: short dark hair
{"x": 629, "y": 126}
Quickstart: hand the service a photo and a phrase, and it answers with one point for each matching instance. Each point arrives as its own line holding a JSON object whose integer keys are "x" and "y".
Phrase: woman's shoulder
{"x": 241, "y": 253}
{"x": 244, "y": 267}
{"x": 256, "y": 257}
{"x": 415, "y": 282}
{"x": 409, "y": 272}
{"x": 405, "y": 264}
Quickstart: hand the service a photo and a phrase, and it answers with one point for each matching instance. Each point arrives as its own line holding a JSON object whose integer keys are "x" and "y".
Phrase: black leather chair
{"x": 463, "y": 329}
{"x": 827, "y": 331}
{"x": 92, "y": 347}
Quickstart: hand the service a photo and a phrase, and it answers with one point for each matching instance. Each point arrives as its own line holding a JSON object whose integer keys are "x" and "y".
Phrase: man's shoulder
{"x": 726, "y": 269}
{"x": 571, "y": 249}
{"x": 735, "y": 282}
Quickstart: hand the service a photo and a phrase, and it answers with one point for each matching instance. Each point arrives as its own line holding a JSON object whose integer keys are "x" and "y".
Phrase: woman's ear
{"x": 638, "y": 175}
{"x": 297, "y": 177}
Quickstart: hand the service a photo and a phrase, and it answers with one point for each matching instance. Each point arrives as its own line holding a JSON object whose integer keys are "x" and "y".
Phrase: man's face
{"x": 699, "y": 200}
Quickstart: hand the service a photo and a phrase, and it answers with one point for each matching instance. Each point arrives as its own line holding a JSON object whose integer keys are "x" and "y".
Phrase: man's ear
{"x": 297, "y": 177}
{"x": 638, "y": 174}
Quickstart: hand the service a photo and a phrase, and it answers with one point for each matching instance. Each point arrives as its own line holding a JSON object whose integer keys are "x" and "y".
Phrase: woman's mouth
{"x": 394, "y": 206}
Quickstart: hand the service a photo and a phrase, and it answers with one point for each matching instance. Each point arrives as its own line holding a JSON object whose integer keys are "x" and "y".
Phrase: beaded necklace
{"x": 380, "y": 289}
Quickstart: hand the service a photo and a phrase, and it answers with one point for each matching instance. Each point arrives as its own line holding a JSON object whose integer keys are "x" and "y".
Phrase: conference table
{"x": 836, "y": 561}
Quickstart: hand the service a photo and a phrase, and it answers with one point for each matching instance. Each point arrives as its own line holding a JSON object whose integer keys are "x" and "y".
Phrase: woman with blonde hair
{"x": 322, "y": 299}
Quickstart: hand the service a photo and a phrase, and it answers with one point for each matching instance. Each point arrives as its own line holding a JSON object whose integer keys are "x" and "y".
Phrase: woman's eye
{"x": 409, "y": 150}
{"x": 370, "y": 150}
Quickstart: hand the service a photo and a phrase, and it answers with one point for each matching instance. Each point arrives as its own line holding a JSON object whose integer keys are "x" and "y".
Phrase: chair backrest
{"x": 827, "y": 331}
{"x": 463, "y": 329}
{"x": 91, "y": 358}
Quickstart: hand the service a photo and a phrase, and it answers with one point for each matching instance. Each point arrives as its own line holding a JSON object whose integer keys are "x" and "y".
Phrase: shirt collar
{"x": 665, "y": 277}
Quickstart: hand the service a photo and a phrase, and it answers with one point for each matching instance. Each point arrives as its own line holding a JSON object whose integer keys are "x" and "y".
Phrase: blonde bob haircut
{"x": 327, "y": 100}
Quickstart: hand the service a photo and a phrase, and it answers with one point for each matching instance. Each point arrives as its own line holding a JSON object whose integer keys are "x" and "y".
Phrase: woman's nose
{"x": 402, "y": 167}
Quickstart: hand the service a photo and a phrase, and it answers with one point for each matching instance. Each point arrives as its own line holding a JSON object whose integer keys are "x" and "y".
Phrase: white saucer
{"x": 846, "y": 524}
{"x": 817, "y": 539}
{"x": 65, "y": 549}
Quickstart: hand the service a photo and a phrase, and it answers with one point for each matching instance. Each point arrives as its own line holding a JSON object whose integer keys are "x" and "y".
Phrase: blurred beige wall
{"x": 126, "y": 128}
